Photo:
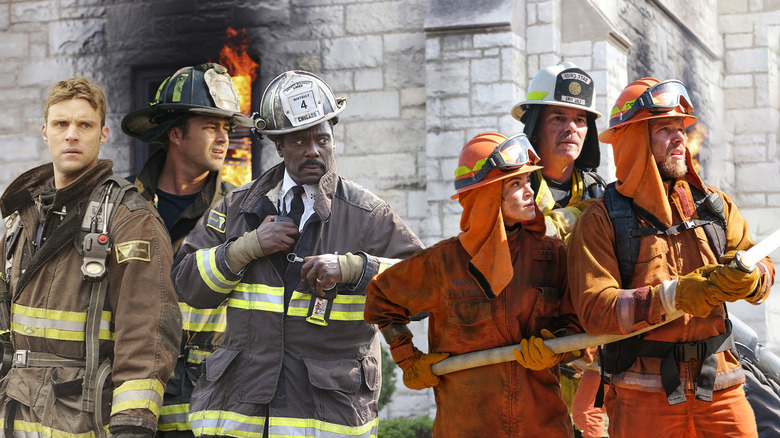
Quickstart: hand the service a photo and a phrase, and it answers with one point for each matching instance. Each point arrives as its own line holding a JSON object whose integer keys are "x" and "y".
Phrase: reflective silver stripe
{"x": 174, "y": 417}
{"x": 226, "y": 423}
{"x": 138, "y": 394}
{"x": 56, "y": 324}
{"x": 308, "y": 427}
{"x": 257, "y": 297}
{"x": 24, "y": 429}
{"x": 209, "y": 273}
{"x": 203, "y": 320}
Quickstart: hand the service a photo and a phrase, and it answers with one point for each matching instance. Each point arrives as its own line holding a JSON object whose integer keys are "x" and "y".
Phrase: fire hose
{"x": 744, "y": 260}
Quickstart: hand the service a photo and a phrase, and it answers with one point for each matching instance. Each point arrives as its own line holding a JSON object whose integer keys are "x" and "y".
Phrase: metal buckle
{"x": 20, "y": 358}
{"x": 687, "y": 225}
{"x": 690, "y": 351}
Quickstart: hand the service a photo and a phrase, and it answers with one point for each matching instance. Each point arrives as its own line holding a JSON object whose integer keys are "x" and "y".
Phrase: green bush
{"x": 388, "y": 379}
{"x": 420, "y": 427}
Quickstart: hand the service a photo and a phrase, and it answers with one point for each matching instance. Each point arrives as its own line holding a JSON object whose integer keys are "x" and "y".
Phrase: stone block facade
{"x": 423, "y": 77}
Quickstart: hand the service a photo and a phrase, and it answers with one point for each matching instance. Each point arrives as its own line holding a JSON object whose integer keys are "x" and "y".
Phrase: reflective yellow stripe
{"x": 203, "y": 320}
{"x": 536, "y": 95}
{"x": 178, "y": 87}
{"x": 385, "y": 263}
{"x": 226, "y": 423}
{"x": 56, "y": 324}
{"x": 207, "y": 266}
{"x": 138, "y": 394}
{"x": 465, "y": 170}
{"x": 279, "y": 427}
{"x": 257, "y": 297}
{"x": 345, "y": 307}
{"x": 238, "y": 425}
{"x": 174, "y": 417}
{"x": 24, "y": 429}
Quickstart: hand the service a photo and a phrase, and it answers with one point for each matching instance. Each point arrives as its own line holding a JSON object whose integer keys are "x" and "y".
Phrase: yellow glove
{"x": 419, "y": 374}
{"x": 734, "y": 284}
{"x": 696, "y": 294}
{"x": 534, "y": 355}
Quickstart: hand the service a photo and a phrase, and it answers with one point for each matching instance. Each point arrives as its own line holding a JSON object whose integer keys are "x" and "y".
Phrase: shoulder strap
{"x": 96, "y": 246}
{"x": 627, "y": 231}
{"x": 710, "y": 209}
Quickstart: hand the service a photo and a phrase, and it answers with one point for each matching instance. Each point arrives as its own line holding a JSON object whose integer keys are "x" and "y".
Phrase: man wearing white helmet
{"x": 560, "y": 120}
{"x": 292, "y": 253}
{"x": 560, "y": 115}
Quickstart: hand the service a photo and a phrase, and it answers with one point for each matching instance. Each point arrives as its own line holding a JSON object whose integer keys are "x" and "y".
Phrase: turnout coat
{"x": 274, "y": 369}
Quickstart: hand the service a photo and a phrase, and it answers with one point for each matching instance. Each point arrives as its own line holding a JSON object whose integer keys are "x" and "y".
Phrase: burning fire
{"x": 237, "y": 169}
{"x": 243, "y": 70}
{"x": 696, "y": 135}
{"x": 241, "y": 67}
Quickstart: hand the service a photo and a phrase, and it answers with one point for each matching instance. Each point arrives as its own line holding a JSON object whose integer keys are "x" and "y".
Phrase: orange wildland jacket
{"x": 501, "y": 400}
{"x": 604, "y": 305}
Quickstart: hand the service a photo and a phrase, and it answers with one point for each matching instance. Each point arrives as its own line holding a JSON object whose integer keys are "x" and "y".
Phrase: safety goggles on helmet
{"x": 512, "y": 153}
{"x": 660, "y": 98}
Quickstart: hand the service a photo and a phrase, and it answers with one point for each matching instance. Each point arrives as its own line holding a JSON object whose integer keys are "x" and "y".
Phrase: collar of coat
{"x": 270, "y": 179}
{"x": 22, "y": 191}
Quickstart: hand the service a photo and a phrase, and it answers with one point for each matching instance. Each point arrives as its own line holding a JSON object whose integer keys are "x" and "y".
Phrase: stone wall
{"x": 422, "y": 77}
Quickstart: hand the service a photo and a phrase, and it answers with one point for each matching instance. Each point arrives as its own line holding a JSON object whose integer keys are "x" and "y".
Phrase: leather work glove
{"x": 733, "y": 283}
{"x": 695, "y": 293}
{"x": 534, "y": 355}
{"x": 419, "y": 375}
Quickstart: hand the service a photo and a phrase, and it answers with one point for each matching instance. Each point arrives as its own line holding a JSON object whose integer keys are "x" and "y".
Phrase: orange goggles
{"x": 514, "y": 152}
{"x": 660, "y": 98}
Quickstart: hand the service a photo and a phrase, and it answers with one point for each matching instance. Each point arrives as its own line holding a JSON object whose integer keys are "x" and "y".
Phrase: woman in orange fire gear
{"x": 669, "y": 381}
{"x": 499, "y": 282}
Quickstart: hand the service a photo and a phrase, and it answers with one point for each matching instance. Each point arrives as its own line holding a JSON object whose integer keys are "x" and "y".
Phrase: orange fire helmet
{"x": 649, "y": 98}
{"x": 490, "y": 157}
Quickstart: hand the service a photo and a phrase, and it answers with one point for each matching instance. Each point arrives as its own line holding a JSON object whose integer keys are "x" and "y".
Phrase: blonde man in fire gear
{"x": 559, "y": 116}
{"x": 292, "y": 252}
{"x": 93, "y": 335}
{"x": 682, "y": 379}
{"x": 500, "y": 282}
{"x": 192, "y": 114}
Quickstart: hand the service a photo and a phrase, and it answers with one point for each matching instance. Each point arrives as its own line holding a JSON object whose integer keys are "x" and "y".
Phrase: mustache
{"x": 312, "y": 162}
{"x": 563, "y": 137}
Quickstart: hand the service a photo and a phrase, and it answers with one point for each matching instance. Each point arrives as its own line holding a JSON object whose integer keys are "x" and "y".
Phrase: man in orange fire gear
{"x": 559, "y": 114}
{"x": 191, "y": 116}
{"x": 499, "y": 282}
{"x": 680, "y": 379}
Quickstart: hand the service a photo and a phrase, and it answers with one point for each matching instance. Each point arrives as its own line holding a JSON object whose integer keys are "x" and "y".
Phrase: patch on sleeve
{"x": 217, "y": 221}
{"x": 132, "y": 250}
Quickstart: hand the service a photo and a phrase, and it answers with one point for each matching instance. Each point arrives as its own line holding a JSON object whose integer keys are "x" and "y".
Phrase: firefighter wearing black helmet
{"x": 292, "y": 253}
{"x": 191, "y": 115}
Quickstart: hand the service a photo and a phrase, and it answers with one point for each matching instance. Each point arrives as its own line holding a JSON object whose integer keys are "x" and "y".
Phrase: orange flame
{"x": 241, "y": 67}
{"x": 237, "y": 169}
{"x": 696, "y": 135}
